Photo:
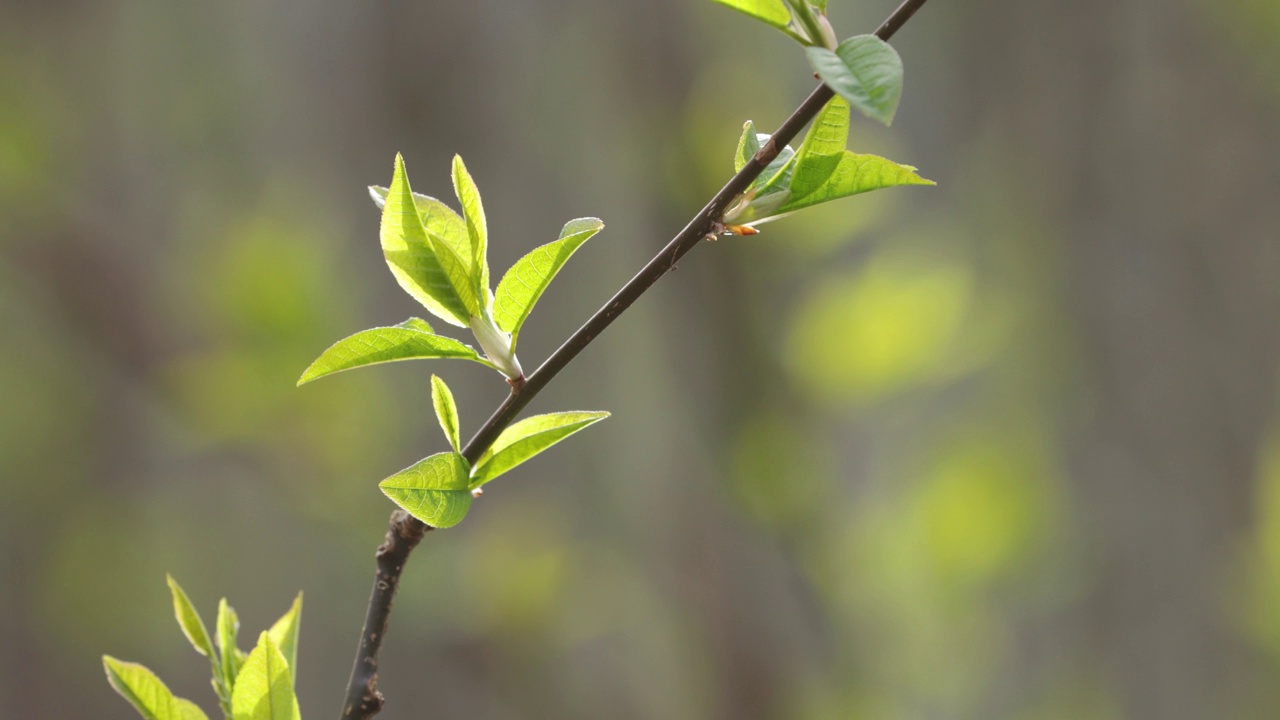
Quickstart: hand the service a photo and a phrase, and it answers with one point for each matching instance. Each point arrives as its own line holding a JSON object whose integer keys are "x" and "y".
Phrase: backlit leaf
{"x": 864, "y": 70}
{"x": 527, "y": 438}
{"x": 435, "y": 490}
{"x": 284, "y": 633}
{"x": 264, "y": 688}
{"x": 148, "y": 695}
{"x": 228, "y": 625}
{"x": 412, "y": 255}
{"x": 386, "y": 344}
{"x": 525, "y": 282}
{"x": 823, "y": 147}
{"x": 856, "y": 174}
{"x": 771, "y": 12}
{"x": 437, "y": 218}
{"x": 477, "y": 226}
{"x": 446, "y": 412}
{"x": 192, "y": 626}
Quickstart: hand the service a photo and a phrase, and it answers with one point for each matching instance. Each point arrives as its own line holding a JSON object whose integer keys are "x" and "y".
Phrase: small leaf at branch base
{"x": 190, "y": 622}
{"x": 387, "y": 344}
{"x": 264, "y": 688}
{"x": 857, "y": 174}
{"x": 864, "y": 70}
{"x": 284, "y": 633}
{"x": 770, "y": 12}
{"x": 525, "y": 282}
{"x": 435, "y": 490}
{"x": 446, "y": 412}
{"x": 148, "y": 695}
{"x": 411, "y": 253}
{"x": 527, "y": 438}
{"x": 477, "y": 227}
{"x": 748, "y": 146}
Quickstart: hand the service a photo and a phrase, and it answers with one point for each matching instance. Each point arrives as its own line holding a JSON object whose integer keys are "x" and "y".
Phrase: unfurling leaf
{"x": 284, "y": 633}
{"x": 864, "y": 70}
{"x": 748, "y": 146}
{"x": 527, "y": 438}
{"x": 477, "y": 227}
{"x": 387, "y": 344}
{"x": 264, "y": 688}
{"x": 228, "y": 627}
{"x": 412, "y": 254}
{"x": 446, "y": 412}
{"x": 190, "y": 622}
{"x": 435, "y": 490}
{"x": 525, "y": 282}
{"x": 148, "y": 695}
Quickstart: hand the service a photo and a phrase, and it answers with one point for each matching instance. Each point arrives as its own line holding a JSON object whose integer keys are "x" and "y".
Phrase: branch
{"x": 363, "y": 700}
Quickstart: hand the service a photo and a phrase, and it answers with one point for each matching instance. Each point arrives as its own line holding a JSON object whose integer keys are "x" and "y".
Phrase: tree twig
{"x": 363, "y": 700}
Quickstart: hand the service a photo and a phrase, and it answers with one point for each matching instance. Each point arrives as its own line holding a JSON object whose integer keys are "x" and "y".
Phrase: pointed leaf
{"x": 148, "y": 695}
{"x": 435, "y": 490}
{"x": 228, "y": 628}
{"x": 525, "y": 282}
{"x": 192, "y": 626}
{"x": 771, "y": 12}
{"x": 264, "y": 688}
{"x": 284, "y": 633}
{"x": 477, "y": 227}
{"x": 527, "y": 438}
{"x": 446, "y": 412}
{"x": 411, "y": 254}
{"x": 822, "y": 149}
{"x": 437, "y": 218}
{"x": 386, "y": 344}
{"x": 188, "y": 710}
{"x": 857, "y": 174}
{"x": 864, "y": 70}
{"x": 748, "y": 146}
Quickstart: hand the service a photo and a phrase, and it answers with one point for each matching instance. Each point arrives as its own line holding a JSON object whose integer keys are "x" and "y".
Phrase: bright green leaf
{"x": 446, "y": 412}
{"x": 525, "y": 282}
{"x": 386, "y": 344}
{"x": 284, "y": 633}
{"x": 437, "y": 218}
{"x": 864, "y": 70}
{"x": 777, "y": 175}
{"x": 748, "y": 146}
{"x": 823, "y": 147}
{"x": 527, "y": 438}
{"x": 771, "y": 12}
{"x": 477, "y": 227}
{"x": 148, "y": 695}
{"x": 227, "y": 629}
{"x": 192, "y": 626}
{"x": 264, "y": 688}
{"x": 435, "y": 490}
{"x": 412, "y": 255}
{"x": 856, "y": 174}
{"x": 418, "y": 324}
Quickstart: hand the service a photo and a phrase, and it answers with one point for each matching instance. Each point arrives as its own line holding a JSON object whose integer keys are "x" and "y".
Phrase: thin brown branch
{"x": 363, "y": 700}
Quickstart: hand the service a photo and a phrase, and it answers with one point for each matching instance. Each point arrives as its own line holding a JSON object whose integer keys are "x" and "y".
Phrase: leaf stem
{"x": 363, "y": 700}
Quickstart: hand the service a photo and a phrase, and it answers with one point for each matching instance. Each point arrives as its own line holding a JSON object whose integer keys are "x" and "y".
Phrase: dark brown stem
{"x": 363, "y": 699}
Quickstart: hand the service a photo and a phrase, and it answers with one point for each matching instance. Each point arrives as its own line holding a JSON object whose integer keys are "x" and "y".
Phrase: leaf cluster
{"x": 258, "y": 685}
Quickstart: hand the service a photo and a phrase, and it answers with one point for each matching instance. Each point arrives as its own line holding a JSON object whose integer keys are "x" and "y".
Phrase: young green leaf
{"x": 418, "y": 324}
{"x": 770, "y": 12}
{"x": 477, "y": 227}
{"x": 527, "y": 438}
{"x": 148, "y": 695}
{"x": 822, "y": 149}
{"x": 435, "y": 490}
{"x": 411, "y": 254}
{"x": 748, "y": 146}
{"x": 437, "y": 218}
{"x": 856, "y": 174}
{"x": 264, "y": 688}
{"x": 864, "y": 70}
{"x": 190, "y": 622}
{"x": 525, "y": 282}
{"x": 387, "y": 344}
{"x": 228, "y": 628}
{"x": 284, "y": 633}
{"x": 446, "y": 412}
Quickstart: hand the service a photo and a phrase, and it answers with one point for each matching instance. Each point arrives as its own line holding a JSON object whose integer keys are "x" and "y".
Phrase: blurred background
{"x": 1004, "y": 448}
